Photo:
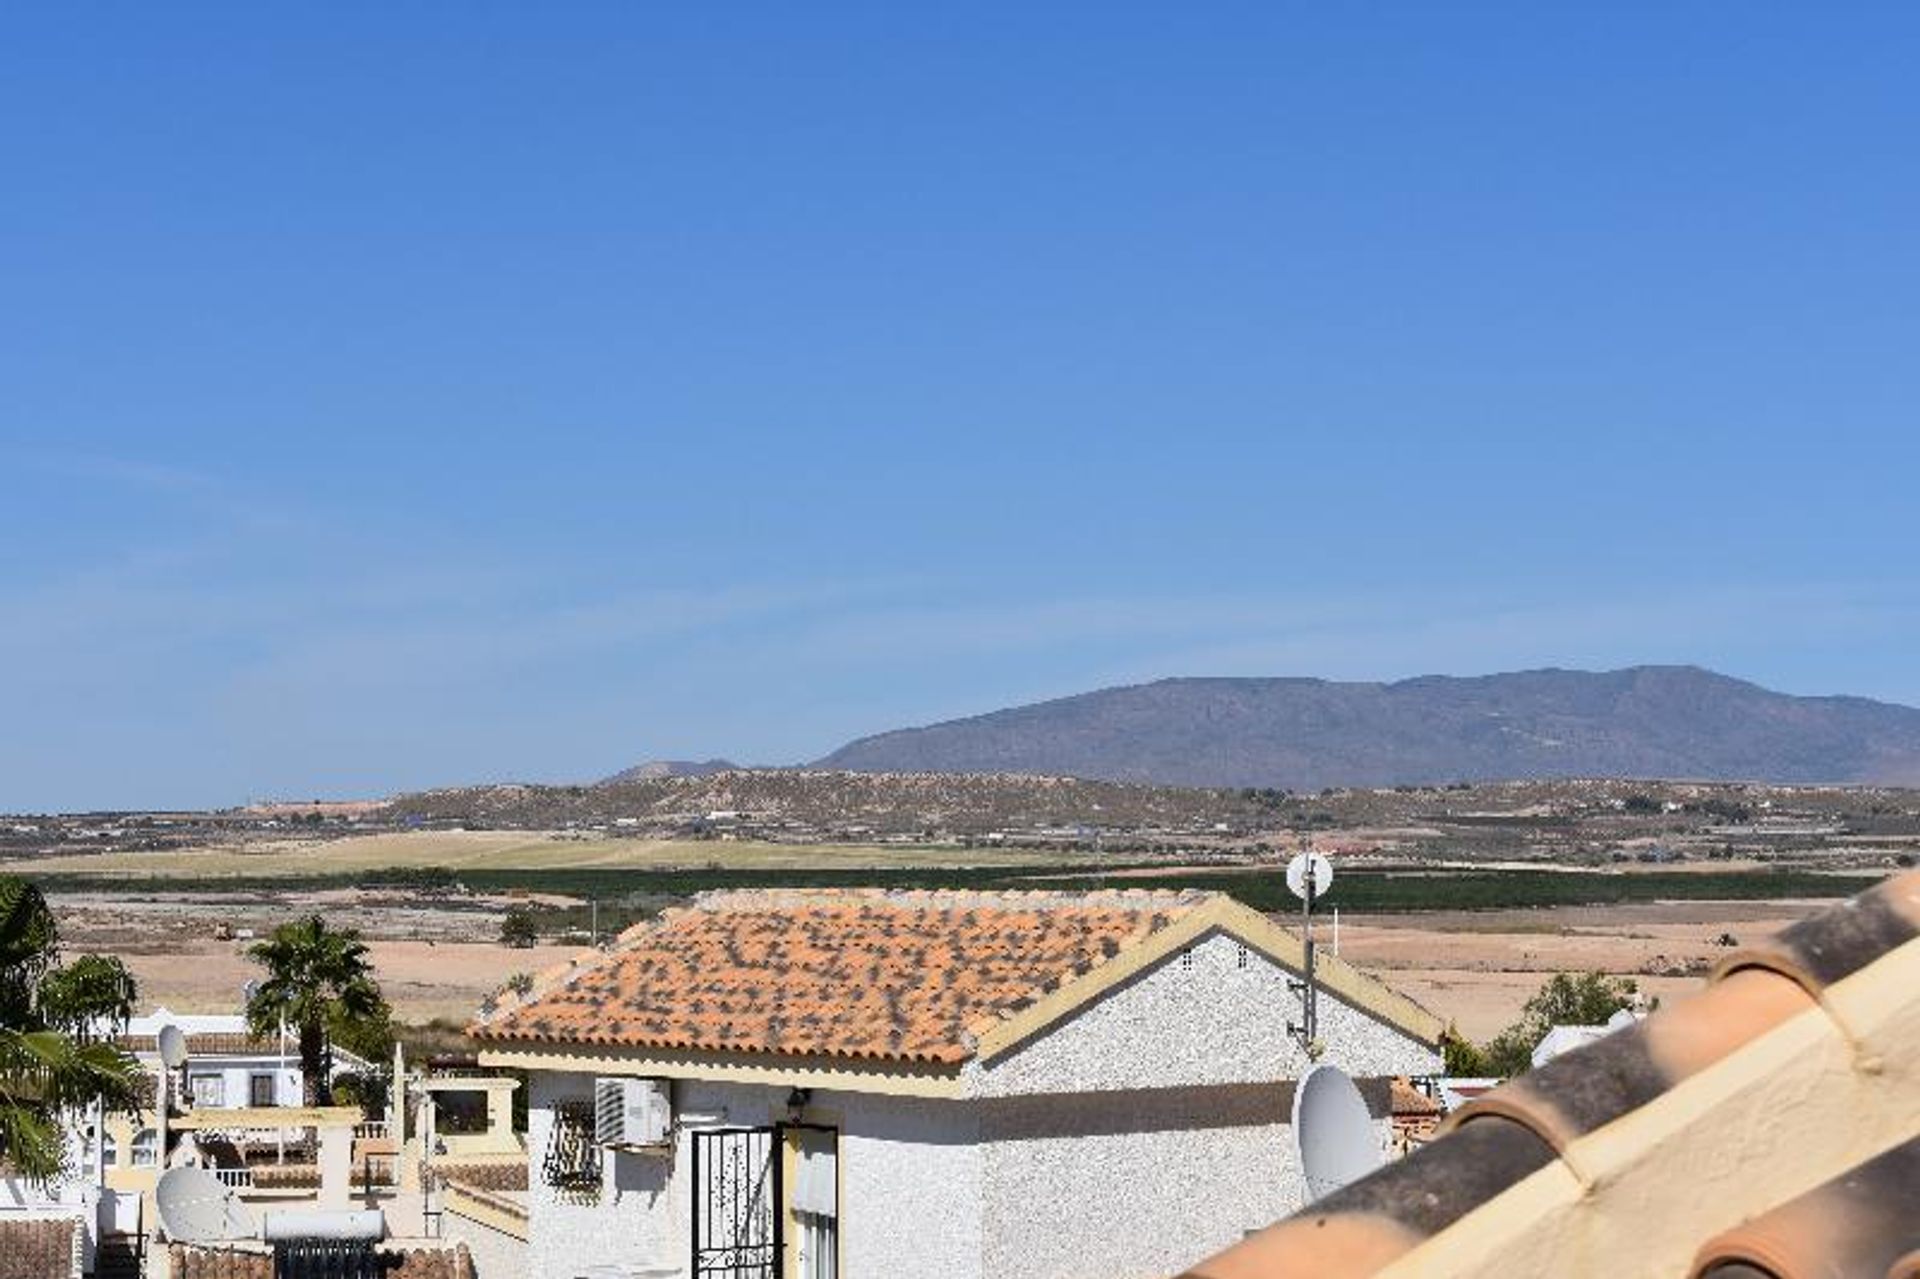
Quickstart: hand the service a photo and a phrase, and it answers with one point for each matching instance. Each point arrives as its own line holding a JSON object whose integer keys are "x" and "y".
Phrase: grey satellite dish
{"x": 173, "y": 1046}
{"x": 1334, "y": 1131}
{"x": 1315, "y": 864}
{"x": 195, "y": 1208}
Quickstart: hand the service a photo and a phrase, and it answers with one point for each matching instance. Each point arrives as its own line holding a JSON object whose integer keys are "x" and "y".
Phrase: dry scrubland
{"x": 438, "y": 958}
{"x": 509, "y": 850}
{"x": 1476, "y": 971}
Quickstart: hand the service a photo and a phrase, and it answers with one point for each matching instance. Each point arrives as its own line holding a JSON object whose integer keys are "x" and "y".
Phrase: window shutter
{"x": 816, "y": 1175}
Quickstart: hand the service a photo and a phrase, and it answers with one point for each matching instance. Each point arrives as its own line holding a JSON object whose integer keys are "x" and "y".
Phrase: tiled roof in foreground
{"x": 1762, "y": 1129}
{"x": 902, "y": 976}
{"x": 34, "y": 1249}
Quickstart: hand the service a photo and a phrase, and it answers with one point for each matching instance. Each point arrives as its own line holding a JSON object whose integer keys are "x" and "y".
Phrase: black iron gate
{"x": 736, "y": 1203}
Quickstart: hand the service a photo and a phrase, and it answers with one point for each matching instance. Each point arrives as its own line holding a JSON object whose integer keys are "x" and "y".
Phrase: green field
{"x": 1263, "y": 889}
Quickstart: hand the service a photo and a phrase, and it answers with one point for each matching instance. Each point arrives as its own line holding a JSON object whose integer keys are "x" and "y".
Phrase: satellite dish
{"x": 1315, "y": 864}
{"x": 195, "y": 1208}
{"x": 1333, "y": 1131}
{"x": 173, "y": 1046}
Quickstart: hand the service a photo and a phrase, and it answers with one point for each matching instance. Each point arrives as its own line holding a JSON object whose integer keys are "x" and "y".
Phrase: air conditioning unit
{"x": 632, "y": 1112}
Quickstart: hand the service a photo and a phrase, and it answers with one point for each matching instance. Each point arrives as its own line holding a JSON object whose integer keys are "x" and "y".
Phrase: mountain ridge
{"x": 1300, "y": 732}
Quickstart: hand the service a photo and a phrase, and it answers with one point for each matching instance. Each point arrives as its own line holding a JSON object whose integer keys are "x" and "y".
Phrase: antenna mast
{"x": 1309, "y": 876}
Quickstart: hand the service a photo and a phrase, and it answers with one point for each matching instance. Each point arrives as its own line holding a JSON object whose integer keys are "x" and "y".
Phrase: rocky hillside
{"x": 816, "y": 802}
{"x": 656, "y": 769}
{"x": 1647, "y": 722}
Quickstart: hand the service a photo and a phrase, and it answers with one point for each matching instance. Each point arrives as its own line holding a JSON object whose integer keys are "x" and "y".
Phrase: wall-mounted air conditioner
{"x": 635, "y": 1113}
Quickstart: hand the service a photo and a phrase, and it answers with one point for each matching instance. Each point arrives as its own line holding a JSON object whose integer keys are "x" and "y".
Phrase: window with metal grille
{"x": 573, "y": 1158}
{"x": 209, "y": 1090}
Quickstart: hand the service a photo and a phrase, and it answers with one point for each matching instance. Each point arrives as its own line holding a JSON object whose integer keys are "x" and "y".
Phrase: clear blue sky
{"x": 395, "y": 395}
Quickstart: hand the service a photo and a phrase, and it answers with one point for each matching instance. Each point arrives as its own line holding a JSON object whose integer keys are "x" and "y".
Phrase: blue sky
{"x": 404, "y": 395}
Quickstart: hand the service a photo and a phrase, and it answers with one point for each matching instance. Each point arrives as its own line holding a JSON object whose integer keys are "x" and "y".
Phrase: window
{"x": 1186, "y": 961}
{"x": 146, "y": 1151}
{"x": 260, "y": 1090}
{"x": 573, "y": 1158}
{"x": 209, "y": 1090}
{"x": 1240, "y": 956}
{"x": 109, "y": 1151}
{"x": 815, "y": 1201}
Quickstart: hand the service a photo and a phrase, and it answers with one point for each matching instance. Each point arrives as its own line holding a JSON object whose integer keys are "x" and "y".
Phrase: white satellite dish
{"x": 173, "y": 1046}
{"x": 1315, "y": 864}
{"x": 195, "y": 1208}
{"x": 1333, "y": 1131}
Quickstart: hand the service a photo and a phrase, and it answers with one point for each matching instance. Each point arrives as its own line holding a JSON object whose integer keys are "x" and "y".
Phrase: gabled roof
{"x": 1789, "y": 1076}
{"x": 923, "y": 978}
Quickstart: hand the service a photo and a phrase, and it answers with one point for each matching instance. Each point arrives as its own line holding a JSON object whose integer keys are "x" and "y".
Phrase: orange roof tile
{"x": 908, "y": 976}
{"x": 1468, "y": 1179}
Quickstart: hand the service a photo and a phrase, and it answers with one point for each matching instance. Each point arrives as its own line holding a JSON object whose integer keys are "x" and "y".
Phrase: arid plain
{"x": 438, "y": 952}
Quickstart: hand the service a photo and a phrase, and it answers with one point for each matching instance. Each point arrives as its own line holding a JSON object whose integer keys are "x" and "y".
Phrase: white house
{"x": 227, "y": 1067}
{"x": 950, "y": 1085}
{"x": 1565, "y": 1038}
{"x": 114, "y": 1160}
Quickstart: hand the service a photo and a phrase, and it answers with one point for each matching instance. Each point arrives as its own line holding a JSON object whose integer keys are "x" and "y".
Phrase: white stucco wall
{"x": 1212, "y": 1017}
{"x": 236, "y": 1074}
{"x": 909, "y": 1168}
{"x": 1153, "y": 1127}
{"x": 1124, "y": 1185}
{"x": 911, "y": 1176}
{"x": 627, "y": 1220}
{"x": 495, "y": 1255}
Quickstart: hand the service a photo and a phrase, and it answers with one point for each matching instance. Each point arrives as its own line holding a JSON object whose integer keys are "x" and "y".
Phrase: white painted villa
{"x": 943, "y": 1085}
{"x": 115, "y": 1160}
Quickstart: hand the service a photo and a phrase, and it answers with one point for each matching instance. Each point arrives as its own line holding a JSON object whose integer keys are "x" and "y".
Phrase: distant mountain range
{"x": 1642, "y": 722}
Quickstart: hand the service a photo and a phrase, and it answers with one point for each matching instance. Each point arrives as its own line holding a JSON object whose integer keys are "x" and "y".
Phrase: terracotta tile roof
{"x": 210, "y": 1044}
{"x": 496, "y": 1176}
{"x": 40, "y": 1249}
{"x": 1410, "y": 1102}
{"x": 1863, "y": 1222}
{"x": 187, "y": 1261}
{"x": 907, "y": 976}
{"x": 1795, "y": 1066}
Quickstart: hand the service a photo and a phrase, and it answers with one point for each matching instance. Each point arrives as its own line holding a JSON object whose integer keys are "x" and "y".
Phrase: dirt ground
{"x": 1475, "y": 968}
{"x": 422, "y": 979}
{"x": 510, "y": 850}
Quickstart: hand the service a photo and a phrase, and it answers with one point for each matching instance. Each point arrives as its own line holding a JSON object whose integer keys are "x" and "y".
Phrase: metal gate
{"x": 736, "y": 1204}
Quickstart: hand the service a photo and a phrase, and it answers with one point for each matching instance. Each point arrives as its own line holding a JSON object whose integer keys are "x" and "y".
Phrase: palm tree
{"x": 320, "y": 981}
{"x": 53, "y": 1058}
